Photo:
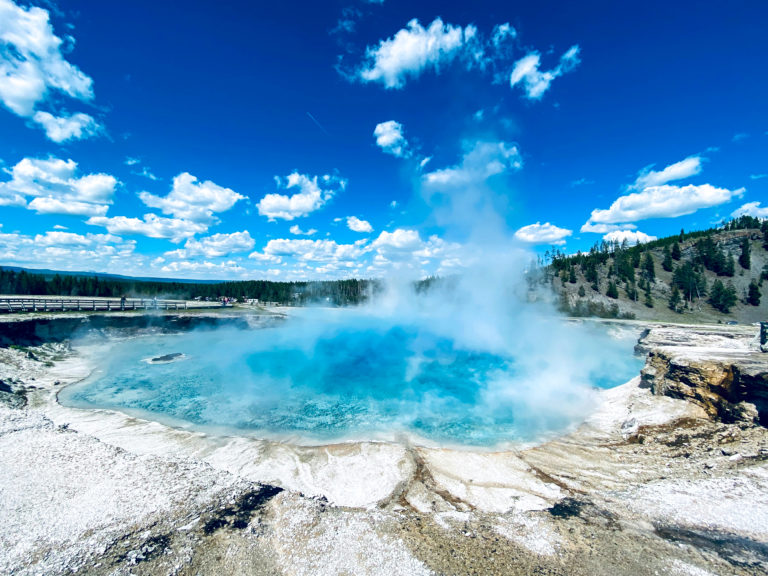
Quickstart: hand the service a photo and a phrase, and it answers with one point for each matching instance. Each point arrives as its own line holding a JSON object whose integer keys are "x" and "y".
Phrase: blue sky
{"x": 362, "y": 138}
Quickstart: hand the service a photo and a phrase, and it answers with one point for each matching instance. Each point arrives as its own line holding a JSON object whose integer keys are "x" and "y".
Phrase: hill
{"x": 713, "y": 275}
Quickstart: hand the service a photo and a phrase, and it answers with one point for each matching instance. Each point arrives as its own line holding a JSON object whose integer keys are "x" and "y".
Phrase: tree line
{"x": 335, "y": 292}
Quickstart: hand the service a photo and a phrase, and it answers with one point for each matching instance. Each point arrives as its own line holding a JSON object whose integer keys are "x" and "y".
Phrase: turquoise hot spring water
{"x": 330, "y": 376}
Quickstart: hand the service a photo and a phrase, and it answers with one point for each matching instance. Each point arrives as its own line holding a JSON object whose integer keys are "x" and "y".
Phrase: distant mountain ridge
{"x": 48, "y": 272}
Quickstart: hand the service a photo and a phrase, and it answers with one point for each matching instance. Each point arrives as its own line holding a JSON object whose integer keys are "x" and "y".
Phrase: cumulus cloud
{"x": 56, "y": 238}
{"x": 389, "y": 137}
{"x": 209, "y": 268}
{"x": 192, "y": 200}
{"x": 405, "y": 250}
{"x": 32, "y": 68}
{"x": 413, "y": 50}
{"x": 49, "y": 205}
{"x": 215, "y": 246}
{"x": 312, "y": 250}
{"x": 69, "y": 251}
{"x": 535, "y": 82}
{"x": 480, "y": 162}
{"x": 631, "y": 236}
{"x": 296, "y": 229}
{"x": 152, "y": 226}
{"x": 751, "y": 209}
{"x": 539, "y": 233}
{"x": 666, "y": 201}
{"x": 357, "y": 225}
{"x": 312, "y": 194}
{"x": 605, "y": 228}
{"x": 56, "y": 188}
{"x": 691, "y": 166}
{"x": 401, "y": 240}
{"x": 63, "y": 128}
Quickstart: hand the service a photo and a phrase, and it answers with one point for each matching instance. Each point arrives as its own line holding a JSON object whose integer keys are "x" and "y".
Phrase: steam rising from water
{"x": 471, "y": 362}
{"x": 419, "y": 367}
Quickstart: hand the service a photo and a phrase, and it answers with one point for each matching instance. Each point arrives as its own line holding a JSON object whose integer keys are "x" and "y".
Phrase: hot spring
{"x": 330, "y": 375}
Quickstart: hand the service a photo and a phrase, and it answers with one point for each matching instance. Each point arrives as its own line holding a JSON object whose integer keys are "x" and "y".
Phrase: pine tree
{"x": 649, "y": 270}
{"x": 722, "y": 297}
{"x": 753, "y": 296}
{"x": 648, "y": 298}
{"x": 612, "y": 291}
{"x": 674, "y": 298}
{"x": 631, "y": 291}
{"x": 744, "y": 257}
{"x": 676, "y": 254}
{"x": 730, "y": 267}
{"x": 582, "y": 292}
{"x": 666, "y": 263}
{"x": 572, "y": 276}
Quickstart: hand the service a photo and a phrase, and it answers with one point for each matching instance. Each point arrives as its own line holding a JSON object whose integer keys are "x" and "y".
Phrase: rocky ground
{"x": 668, "y": 476}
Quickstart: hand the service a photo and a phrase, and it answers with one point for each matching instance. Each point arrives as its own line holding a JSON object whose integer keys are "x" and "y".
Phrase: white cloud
{"x": 147, "y": 173}
{"x": 151, "y": 225}
{"x": 751, "y": 209}
{"x": 502, "y": 33}
{"x": 49, "y": 205}
{"x": 483, "y": 160}
{"x": 51, "y": 238}
{"x": 401, "y": 240}
{"x": 757, "y": 176}
{"x": 296, "y": 229}
{"x": 192, "y": 200}
{"x": 393, "y": 204}
{"x": 56, "y": 188}
{"x": 412, "y": 50}
{"x": 70, "y": 251}
{"x": 63, "y": 128}
{"x": 313, "y": 193}
{"x": 261, "y": 257}
{"x": 389, "y": 137}
{"x": 357, "y": 225}
{"x": 631, "y": 236}
{"x": 665, "y": 201}
{"x": 404, "y": 250}
{"x": 32, "y": 68}
{"x": 208, "y": 268}
{"x": 312, "y": 250}
{"x": 536, "y": 82}
{"x": 542, "y": 234}
{"x": 605, "y": 228}
{"x": 691, "y": 166}
{"x": 348, "y": 21}
{"x": 215, "y": 246}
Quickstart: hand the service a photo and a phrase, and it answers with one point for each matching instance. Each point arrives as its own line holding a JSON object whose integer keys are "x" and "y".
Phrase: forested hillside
{"x": 709, "y": 275}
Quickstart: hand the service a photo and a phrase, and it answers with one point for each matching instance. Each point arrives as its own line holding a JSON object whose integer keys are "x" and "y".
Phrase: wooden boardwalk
{"x": 68, "y": 304}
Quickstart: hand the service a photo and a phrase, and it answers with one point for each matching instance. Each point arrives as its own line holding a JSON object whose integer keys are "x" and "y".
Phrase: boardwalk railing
{"x": 43, "y": 304}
